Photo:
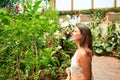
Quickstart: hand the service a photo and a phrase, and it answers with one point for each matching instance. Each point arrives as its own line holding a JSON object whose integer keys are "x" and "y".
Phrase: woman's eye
{"x": 75, "y": 31}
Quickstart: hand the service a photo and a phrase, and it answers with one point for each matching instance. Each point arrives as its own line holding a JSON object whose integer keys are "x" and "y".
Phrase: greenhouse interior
{"x": 39, "y": 39}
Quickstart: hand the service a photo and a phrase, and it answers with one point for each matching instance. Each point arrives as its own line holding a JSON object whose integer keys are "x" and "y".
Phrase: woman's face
{"x": 76, "y": 35}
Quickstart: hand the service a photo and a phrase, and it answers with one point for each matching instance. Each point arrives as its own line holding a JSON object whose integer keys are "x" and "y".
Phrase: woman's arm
{"x": 68, "y": 73}
{"x": 85, "y": 63}
{"x": 67, "y": 70}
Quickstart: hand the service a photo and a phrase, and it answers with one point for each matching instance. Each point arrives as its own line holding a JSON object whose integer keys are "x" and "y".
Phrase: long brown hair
{"x": 86, "y": 40}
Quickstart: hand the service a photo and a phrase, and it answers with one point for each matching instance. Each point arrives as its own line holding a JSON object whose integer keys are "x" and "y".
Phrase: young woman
{"x": 81, "y": 66}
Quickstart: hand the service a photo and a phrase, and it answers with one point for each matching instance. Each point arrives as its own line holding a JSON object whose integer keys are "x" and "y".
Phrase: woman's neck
{"x": 78, "y": 45}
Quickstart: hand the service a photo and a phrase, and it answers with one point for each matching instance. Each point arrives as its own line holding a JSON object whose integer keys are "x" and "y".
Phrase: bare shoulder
{"x": 83, "y": 55}
{"x": 83, "y": 58}
{"x": 82, "y": 52}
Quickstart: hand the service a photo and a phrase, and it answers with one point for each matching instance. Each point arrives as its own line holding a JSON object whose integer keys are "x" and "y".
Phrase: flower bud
{"x": 8, "y": 8}
{"x": 16, "y": 8}
{"x": 49, "y": 43}
{"x": 43, "y": 10}
{"x": 24, "y": 8}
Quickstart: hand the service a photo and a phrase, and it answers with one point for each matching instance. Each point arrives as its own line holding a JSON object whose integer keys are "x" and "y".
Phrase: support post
{"x": 71, "y": 5}
{"x": 52, "y": 4}
{"x": 115, "y": 3}
{"x": 92, "y": 4}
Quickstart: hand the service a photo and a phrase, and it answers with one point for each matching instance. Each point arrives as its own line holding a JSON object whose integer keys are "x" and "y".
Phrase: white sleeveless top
{"x": 75, "y": 69}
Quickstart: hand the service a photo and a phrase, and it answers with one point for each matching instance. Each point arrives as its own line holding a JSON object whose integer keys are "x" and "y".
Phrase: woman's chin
{"x": 73, "y": 40}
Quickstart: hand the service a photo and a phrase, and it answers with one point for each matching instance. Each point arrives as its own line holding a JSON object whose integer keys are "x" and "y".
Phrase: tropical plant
{"x": 23, "y": 46}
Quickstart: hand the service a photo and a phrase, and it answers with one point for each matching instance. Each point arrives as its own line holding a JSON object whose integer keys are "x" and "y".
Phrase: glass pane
{"x": 118, "y": 3}
{"x": 103, "y": 3}
{"x": 62, "y": 5}
{"x": 81, "y": 4}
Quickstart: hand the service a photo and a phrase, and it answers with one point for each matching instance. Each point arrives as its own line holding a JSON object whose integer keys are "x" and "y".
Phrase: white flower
{"x": 68, "y": 16}
{"x": 60, "y": 20}
{"x": 64, "y": 24}
{"x": 78, "y": 19}
{"x": 56, "y": 34}
{"x": 64, "y": 37}
{"x": 59, "y": 47}
{"x": 73, "y": 22}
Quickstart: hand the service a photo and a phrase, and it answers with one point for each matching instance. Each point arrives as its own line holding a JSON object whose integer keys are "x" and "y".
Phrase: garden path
{"x": 106, "y": 68}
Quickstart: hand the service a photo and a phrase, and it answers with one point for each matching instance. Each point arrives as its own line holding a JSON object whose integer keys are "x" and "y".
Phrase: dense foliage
{"x": 34, "y": 43}
{"x": 4, "y": 3}
{"x": 28, "y": 45}
{"x": 91, "y": 11}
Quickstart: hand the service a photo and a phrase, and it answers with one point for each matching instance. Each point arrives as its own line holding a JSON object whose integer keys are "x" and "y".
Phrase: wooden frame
{"x": 92, "y": 4}
{"x": 72, "y": 4}
{"x": 115, "y": 3}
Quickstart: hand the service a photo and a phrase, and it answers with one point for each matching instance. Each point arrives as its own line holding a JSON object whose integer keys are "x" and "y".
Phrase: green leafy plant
{"x": 21, "y": 39}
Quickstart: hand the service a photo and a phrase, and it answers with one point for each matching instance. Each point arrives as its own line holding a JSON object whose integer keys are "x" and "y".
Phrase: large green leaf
{"x": 99, "y": 51}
